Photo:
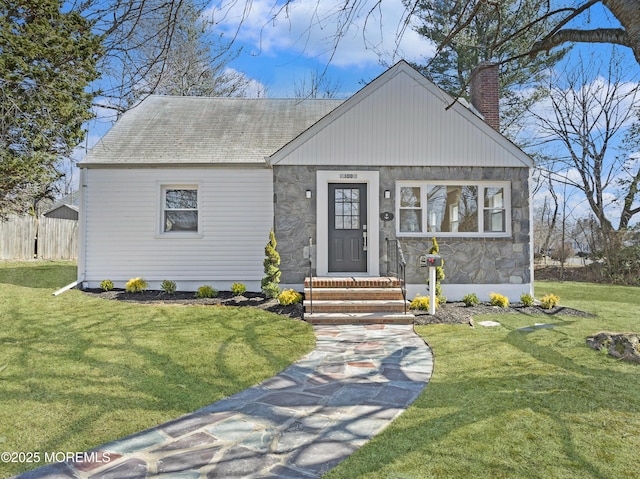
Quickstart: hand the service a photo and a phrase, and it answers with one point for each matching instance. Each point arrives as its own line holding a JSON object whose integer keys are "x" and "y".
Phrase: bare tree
{"x": 547, "y": 217}
{"x": 586, "y": 118}
{"x": 316, "y": 85}
{"x": 127, "y": 27}
{"x": 195, "y": 64}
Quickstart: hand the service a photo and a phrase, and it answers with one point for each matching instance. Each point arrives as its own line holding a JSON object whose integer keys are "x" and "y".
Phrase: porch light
{"x": 387, "y": 194}
{"x": 307, "y": 194}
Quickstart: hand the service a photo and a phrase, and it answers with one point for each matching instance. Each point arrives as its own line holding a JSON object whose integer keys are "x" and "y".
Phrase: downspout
{"x": 531, "y": 245}
{"x": 82, "y": 235}
{"x": 82, "y": 227}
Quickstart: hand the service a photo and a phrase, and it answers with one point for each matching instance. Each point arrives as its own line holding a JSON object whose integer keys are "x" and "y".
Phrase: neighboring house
{"x": 187, "y": 189}
{"x": 65, "y": 208}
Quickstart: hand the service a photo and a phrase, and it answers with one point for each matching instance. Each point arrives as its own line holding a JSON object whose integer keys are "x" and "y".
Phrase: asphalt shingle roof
{"x": 202, "y": 130}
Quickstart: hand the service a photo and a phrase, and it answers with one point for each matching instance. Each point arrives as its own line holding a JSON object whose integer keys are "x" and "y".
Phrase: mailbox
{"x": 430, "y": 260}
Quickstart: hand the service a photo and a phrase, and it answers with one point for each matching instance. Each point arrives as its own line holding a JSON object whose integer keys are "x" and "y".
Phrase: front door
{"x": 347, "y": 227}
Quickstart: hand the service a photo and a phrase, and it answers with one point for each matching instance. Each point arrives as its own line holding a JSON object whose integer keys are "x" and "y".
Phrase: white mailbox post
{"x": 432, "y": 261}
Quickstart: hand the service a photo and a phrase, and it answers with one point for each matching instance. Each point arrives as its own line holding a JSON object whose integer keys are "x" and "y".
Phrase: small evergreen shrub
{"x": 526, "y": 300}
{"x": 289, "y": 296}
{"x": 498, "y": 300}
{"x": 470, "y": 300}
{"x": 206, "y": 291}
{"x": 135, "y": 285}
{"x": 549, "y": 301}
{"x": 168, "y": 287}
{"x": 106, "y": 285}
{"x": 272, "y": 271}
{"x": 422, "y": 303}
{"x": 238, "y": 289}
{"x": 271, "y": 290}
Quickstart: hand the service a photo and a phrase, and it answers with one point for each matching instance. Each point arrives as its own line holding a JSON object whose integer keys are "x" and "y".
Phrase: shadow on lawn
{"x": 108, "y": 376}
{"x": 524, "y": 423}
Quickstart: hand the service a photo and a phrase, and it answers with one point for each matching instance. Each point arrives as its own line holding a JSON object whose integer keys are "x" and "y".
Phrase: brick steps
{"x": 356, "y": 306}
{"x": 359, "y": 318}
{"x": 353, "y": 282}
{"x": 355, "y": 301}
{"x": 330, "y": 294}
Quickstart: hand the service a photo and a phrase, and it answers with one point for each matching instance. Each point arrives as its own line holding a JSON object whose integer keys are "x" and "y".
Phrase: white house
{"x": 188, "y": 188}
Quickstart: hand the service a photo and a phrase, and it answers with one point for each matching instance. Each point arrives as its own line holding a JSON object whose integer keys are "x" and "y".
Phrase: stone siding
{"x": 294, "y": 219}
{"x": 467, "y": 260}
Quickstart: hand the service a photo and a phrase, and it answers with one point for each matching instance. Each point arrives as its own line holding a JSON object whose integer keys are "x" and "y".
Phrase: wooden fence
{"x": 25, "y": 237}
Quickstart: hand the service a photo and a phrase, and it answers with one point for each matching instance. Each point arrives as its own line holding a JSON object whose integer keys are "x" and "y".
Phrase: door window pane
{"x": 347, "y": 209}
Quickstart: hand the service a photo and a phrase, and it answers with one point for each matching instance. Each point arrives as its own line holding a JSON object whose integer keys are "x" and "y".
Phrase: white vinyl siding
{"x": 123, "y": 221}
{"x": 404, "y": 121}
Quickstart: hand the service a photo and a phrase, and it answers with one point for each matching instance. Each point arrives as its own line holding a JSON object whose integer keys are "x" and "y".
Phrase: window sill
{"x": 178, "y": 236}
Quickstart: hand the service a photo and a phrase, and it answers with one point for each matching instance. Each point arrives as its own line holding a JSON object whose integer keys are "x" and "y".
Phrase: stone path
{"x": 298, "y": 424}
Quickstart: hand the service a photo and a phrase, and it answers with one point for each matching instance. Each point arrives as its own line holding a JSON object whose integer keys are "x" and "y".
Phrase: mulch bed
{"x": 458, "y": 313}
{"x": 224, "y": 298}
{"x": 448, "y": 313}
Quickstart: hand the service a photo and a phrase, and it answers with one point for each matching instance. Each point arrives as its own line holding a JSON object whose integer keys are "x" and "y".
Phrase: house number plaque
{"x": 386, "y": 216}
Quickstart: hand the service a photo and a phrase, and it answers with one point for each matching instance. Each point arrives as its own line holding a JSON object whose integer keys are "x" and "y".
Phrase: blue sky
{"x": 280, "y": 53}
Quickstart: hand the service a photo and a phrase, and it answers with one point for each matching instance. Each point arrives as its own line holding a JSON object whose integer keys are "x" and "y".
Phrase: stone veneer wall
{"x": 294, "y": 219}
{"x": 467, "y": 260}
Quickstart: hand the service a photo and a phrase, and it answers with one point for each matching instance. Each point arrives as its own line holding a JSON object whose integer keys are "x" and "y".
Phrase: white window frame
{"x": 163, "y": 187}
{"x": 481, "y": 186}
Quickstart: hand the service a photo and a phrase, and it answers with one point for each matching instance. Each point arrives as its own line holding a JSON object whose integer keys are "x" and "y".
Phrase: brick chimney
{"x": 485, "y": 92}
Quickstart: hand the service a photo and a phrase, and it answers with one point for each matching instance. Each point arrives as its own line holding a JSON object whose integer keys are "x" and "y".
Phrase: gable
{"x": 401, "y": 118}
{"x": 170, "y": 130}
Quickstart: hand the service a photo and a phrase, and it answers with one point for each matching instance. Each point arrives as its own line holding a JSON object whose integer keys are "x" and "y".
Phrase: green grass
{"x": 76, "y": 372}
{"x": 504, "y": 403}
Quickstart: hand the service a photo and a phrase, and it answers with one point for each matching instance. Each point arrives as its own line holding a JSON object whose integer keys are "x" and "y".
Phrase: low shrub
{"x": 238, "y": 288}
{"x": 498, "y": 300}
{"x": 470, "y": 300}
{"x": 548, "y": 301}
{"x": 106, "y": 285}
{"x": 289, "y": 296}
{"x": 168, "y": 287}
{"x": 422, "y": 303}
{"x": 526, "y": 300}
{"x": 135, "y": 285}
{"x": 206, "y": 291}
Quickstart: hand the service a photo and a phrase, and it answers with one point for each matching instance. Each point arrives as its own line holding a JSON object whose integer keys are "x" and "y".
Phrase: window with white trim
{"x": 179, "y": 209}
{"x": 453, "y": 208}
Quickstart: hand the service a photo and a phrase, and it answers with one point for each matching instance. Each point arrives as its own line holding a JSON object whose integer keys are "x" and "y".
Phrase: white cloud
{"x": 359, "y": 38}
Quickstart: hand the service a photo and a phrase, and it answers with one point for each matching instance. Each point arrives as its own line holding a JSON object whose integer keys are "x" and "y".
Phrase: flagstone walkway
{"x": 298, "y": 424}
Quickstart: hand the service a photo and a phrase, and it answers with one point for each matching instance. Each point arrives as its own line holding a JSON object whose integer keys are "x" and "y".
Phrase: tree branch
{"x": 615, "y": 36}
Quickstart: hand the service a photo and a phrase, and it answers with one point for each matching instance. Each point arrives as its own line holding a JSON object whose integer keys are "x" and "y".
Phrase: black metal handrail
{"x": 310, "y": 275}
{"x": 397, "y": 267}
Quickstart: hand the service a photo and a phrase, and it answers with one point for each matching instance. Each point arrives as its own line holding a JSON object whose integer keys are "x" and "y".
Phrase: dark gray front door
{"x": 347, "y": 227}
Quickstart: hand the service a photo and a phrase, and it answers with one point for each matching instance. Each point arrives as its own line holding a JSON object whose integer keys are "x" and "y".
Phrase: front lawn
{"x": 76, "y": 371}
{"x": 505, "y": 403}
